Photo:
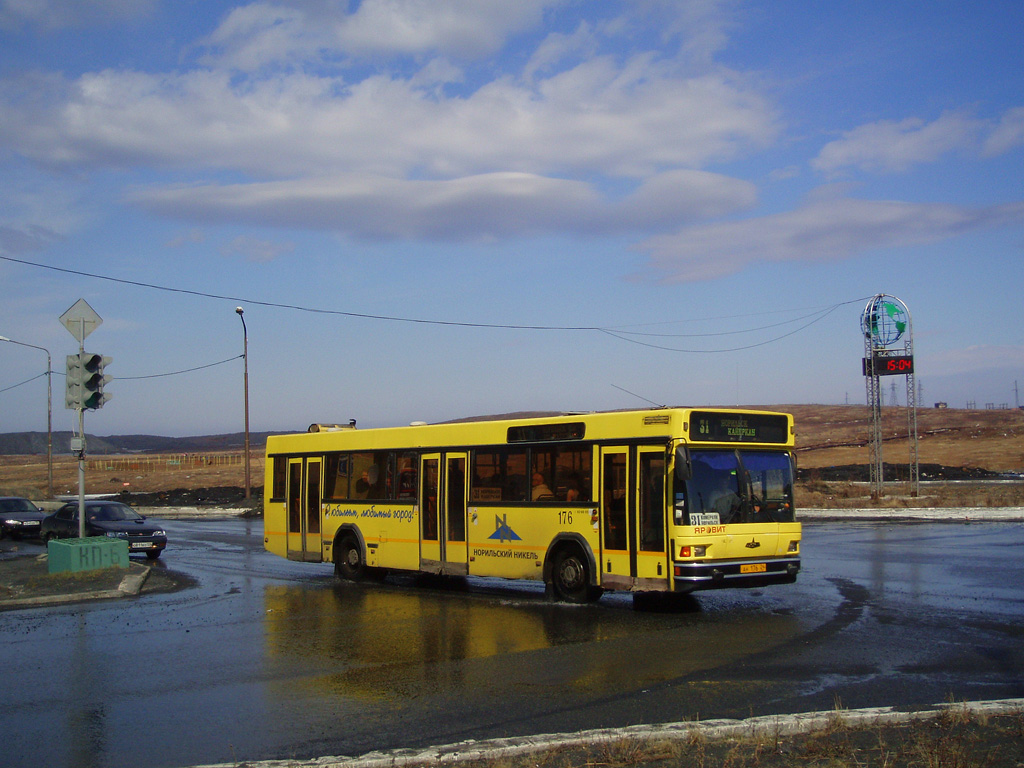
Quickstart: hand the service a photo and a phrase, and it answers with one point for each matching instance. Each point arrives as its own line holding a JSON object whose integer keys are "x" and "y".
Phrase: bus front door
{"x": 303, "y": 494}
{"x": 652, "y": 561}
{"x": 443, "y": 547}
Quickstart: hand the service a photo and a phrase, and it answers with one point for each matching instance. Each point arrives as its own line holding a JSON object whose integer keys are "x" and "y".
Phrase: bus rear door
{"x": 303, "y": 494}
{"x": 456, "y": 550}
{"x": 443, "y": 493}
{"x": 617, "y": 562}
{"x": 430, "y": 538}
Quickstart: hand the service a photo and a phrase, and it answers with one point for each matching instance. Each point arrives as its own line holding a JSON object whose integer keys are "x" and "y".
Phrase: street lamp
{"x": 49, "y": 412}
{"x": 245, "y": 359}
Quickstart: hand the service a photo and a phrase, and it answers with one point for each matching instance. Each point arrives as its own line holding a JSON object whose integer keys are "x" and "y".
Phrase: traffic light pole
{"x": 85, "y": 381}
{"x": 81, "y": 475}
{"x": 81, "y": 452}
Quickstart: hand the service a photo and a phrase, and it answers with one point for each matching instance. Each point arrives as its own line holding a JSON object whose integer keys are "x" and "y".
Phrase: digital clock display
{"x": 891, "y": 365}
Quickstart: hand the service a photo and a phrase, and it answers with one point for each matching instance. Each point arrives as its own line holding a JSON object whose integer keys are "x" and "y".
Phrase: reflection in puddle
{"x": 389, "y": 644}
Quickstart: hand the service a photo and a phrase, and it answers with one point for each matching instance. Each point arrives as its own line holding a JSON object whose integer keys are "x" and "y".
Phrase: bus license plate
{"x": 754, "y": 568}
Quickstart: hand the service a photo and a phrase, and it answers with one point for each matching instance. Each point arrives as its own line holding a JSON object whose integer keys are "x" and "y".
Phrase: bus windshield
{"x": 729, "y": 486}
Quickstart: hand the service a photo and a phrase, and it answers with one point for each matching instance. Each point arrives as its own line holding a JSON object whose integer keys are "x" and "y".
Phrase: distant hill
{"x": 34, "y": 443}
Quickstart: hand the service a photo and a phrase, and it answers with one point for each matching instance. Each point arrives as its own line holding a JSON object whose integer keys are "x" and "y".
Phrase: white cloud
{"x": 480, "y": 207}
{"x": 556, "y": 48}
{"x": 825, "y": 230}
{"x": 259, "y": 34}
{"x": 21, "y": 240}
{"x": 628, "y": 119}
{"x": 53, "y": 14}
{"x": 1007, "y": 134}
{"x": 889, "y": 146}
{"x": 256, "y": 249}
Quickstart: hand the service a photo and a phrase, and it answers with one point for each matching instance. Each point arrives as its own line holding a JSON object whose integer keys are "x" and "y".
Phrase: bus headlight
{"x": 794, "y": 546}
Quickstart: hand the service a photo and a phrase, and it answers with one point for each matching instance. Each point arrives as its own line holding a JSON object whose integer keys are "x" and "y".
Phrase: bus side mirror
{"x": 684, "y": 471}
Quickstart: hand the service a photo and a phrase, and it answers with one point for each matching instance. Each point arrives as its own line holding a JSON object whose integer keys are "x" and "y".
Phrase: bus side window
{"x": 572, "y": 474}
{"x": 336, "y": 476}
{"x": 408, "y": 475}
{"x": 280, "y": 473}
{"x": 499, "y": 475}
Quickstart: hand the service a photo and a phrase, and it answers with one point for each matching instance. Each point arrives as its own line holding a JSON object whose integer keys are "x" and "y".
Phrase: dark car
{"x": 107, "y": 518}
{"x": 19, "y": 518}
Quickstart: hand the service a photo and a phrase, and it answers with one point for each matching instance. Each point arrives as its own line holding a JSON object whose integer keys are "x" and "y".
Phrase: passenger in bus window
{"x": 541, "y": 492}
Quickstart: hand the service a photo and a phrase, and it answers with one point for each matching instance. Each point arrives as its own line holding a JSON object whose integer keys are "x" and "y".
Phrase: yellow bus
{"x": 667, "y": 500}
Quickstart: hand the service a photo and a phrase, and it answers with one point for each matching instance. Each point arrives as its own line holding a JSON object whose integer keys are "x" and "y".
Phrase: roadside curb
{"x": 924, "y": 514}
{"x": 132, "y": 583}
{"x": 496, "y": 749}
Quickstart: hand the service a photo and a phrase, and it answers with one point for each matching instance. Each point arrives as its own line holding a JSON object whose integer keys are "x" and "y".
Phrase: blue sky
{"x": 437, "y": 209}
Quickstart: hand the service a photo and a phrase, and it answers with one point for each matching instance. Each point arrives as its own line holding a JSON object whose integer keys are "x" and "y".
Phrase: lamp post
{"x": 245, "y": 359}
{"x": 49, "y": 412}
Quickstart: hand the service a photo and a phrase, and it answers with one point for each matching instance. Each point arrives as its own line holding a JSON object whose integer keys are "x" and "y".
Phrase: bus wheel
{"x": 570, "y": 578}
{"x": 348, "y": 559}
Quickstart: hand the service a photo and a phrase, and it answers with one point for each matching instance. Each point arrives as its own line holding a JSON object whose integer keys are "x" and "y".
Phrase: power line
{"x": 298, "y": 307}
{"x": 175, "y": 373}
{"x": 618, "y": 332}
{"x": 23, "y": 383}
{"x": 820, "y": 316}
{"x": 132, "y": 378}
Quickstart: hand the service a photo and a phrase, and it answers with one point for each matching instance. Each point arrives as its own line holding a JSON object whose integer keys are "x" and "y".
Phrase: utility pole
{"x": 49, "y": 412}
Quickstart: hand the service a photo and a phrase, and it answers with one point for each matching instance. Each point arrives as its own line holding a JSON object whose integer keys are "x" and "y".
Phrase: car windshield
{"x": 113, "y": 513}
{"x": 8, "y": 506}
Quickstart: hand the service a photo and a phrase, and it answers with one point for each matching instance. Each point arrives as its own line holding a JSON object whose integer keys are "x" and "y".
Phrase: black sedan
{"x": 107, "y": 518}
{"x": 19, "y": 518}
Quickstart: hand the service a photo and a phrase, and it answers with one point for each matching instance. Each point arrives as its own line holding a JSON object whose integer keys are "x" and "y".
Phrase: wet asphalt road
{"x": 271, "y": 659}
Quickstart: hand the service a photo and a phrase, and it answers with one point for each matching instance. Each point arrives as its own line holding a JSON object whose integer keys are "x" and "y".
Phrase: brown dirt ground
{"x": 826, "y": 436}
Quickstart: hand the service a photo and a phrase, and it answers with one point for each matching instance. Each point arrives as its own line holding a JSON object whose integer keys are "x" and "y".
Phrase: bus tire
{"x": 570, "y": 577}
{"x": 349, "y": 563}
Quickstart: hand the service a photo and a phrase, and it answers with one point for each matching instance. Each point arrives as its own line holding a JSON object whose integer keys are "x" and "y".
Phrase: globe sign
{"x": 884, "y": 321}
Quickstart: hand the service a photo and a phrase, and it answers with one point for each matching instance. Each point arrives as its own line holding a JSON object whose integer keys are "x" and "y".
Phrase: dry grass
{"x": 826, "y": 436}
{"x": 26, "y": 476}
{"x": 955, "y": 738}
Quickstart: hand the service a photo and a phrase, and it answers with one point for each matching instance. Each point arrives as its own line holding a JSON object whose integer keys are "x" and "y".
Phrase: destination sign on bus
{"x": 713, "y": 427}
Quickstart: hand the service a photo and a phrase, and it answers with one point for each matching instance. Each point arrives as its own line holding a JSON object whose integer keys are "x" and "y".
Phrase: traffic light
{"x": 85, "y": 380}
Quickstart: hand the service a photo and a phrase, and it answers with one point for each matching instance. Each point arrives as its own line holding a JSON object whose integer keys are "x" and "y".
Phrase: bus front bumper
{"x": 690, "y": 576}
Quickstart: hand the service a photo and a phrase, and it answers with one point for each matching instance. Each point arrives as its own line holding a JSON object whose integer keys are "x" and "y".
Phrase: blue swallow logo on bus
{"x": 502, "y": 532}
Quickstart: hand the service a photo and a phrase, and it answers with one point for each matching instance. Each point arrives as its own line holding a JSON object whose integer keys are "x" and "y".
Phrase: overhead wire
{"x": 825, "y": 313}
{"x": 618, "y": 332}
{"x": 23, "y": 383}
{"x": 186, "y": 370}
